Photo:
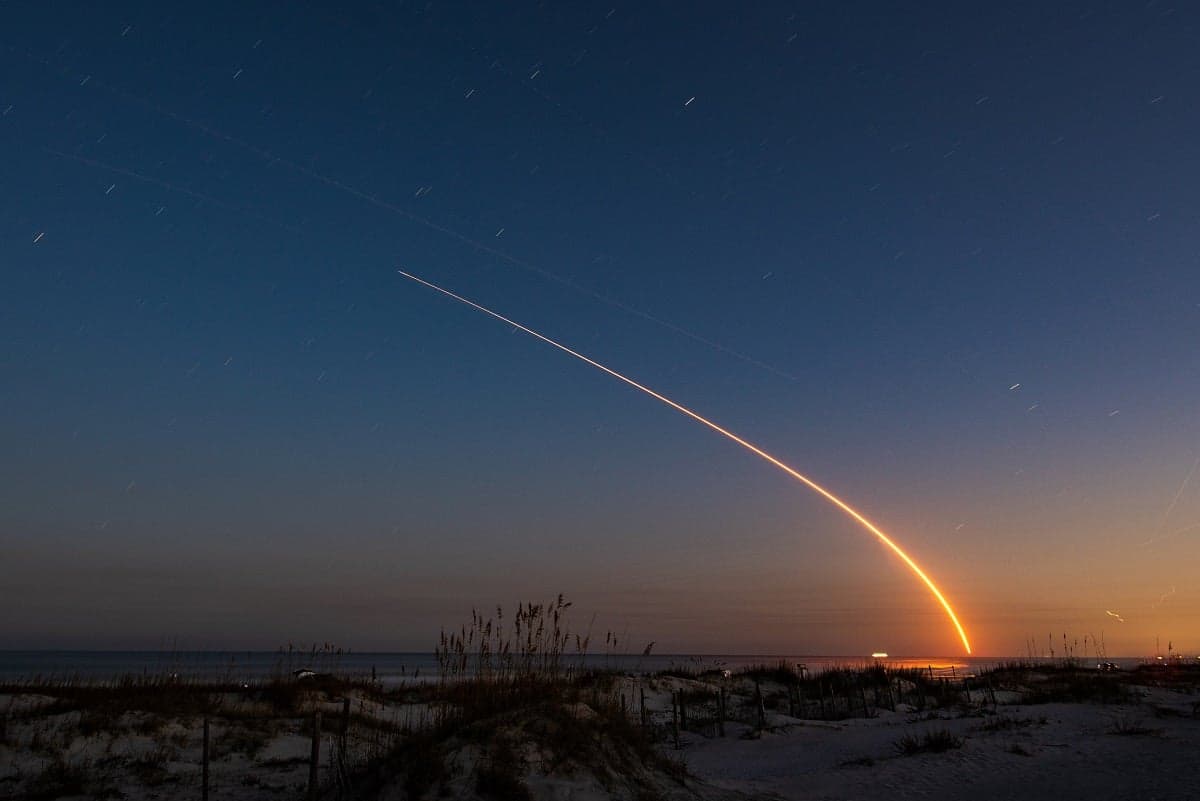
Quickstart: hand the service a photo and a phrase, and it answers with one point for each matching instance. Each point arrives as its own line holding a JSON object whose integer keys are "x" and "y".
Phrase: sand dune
{"x": 1006, "y": 736}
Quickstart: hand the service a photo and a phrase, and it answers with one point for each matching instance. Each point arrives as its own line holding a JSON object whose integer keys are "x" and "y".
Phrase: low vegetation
{"x": 513, "y": 711}
{"x": 931, "y": 742}
{"x": 1133, "y": 727}
{"x": 1010, "y": 722}
{"x": 514, "y": 703}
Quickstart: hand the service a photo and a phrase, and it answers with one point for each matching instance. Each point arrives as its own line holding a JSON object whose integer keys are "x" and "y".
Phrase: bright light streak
{"x": 757, "y": 451}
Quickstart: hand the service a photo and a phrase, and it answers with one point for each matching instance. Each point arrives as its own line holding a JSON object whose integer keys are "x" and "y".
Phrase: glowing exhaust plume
{"x": 826, "y": 494}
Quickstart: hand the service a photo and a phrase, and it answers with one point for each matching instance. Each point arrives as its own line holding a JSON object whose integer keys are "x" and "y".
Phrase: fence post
{"x": 315, "y": 760}
{"x": 343, "y": 761}
{"x": 721, "y": 710}
{"x": 204, "y": 763}
{"x": 645, "y": 719}
{"x": 675, "y": 717}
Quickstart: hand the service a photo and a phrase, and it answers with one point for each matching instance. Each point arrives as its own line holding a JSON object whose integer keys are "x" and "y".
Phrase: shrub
{"x": 1130, "y": 727}
{"x": 499, "y": 776}
{"x": 59, "y": 778}
{"x": 931, "y": 742}
{"x": 1007, "y": 722}
{"x": 782, "y": 673}
{"x": 1077, "y": 687}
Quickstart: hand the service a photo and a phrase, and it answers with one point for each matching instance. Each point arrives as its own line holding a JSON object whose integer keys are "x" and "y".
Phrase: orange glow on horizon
{"x": 829, "y": 496}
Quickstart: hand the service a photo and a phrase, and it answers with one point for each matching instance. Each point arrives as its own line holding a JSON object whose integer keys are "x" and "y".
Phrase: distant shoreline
{"x": 390, "y": 667}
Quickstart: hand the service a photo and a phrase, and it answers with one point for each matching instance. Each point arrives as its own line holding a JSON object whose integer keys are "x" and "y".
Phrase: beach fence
{"x": 333, "y": 753}
{"x": 335, "y": 749}
{"x": 316, "y": 735}
{"x": 294, "y": 737}
{"x": 673, "y": 704}
{"x": 325, "y": 744}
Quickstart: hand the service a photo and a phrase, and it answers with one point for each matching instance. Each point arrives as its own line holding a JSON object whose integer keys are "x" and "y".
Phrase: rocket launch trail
{"x": 757, "y": 451}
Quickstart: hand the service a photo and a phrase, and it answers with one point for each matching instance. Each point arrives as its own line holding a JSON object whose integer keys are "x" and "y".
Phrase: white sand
{"x": 1075, "y": 753}
{"x": 1145, "y": 750}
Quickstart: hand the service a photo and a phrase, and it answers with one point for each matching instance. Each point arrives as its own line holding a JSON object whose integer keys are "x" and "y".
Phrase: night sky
{"x": 945, "y": 260}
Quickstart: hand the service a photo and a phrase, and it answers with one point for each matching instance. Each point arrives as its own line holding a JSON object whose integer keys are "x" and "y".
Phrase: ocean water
{"x": 393, "y": 668}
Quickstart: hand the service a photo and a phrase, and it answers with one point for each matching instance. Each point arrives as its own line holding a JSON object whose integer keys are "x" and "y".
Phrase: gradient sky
{"x": 844, "y": 231}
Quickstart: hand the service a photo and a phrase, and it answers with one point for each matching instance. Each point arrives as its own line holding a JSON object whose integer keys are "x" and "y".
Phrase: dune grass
{"x": 931, "y": 742}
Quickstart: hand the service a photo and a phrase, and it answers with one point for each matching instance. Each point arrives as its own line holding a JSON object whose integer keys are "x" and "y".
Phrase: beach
{"x": 1022, "y": 731}
{"x": 1052, "y": 751}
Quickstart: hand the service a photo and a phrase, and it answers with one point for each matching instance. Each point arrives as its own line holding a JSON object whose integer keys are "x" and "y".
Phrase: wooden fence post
{"x": 204, "y": 763}
{"x": 675, "y": 717}
{"x": 343, "y": 760}
{"x": 315, "y": 759}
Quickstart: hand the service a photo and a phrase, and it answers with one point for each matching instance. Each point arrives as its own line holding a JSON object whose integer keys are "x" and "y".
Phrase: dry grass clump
{"x": 932, "y": 742}
{"x": 536, "y": 643}
{"x": 145, "y": 704}
{"x": 146, "y": 730}
{"x": 848, "y": 691}
{"x": 513, "y": 700}
{"x": 1175, "y": 674}
{"x": 1131, "y": 727}
{"x": 487, "y": 668}
{"x": 1076, "y": 686}
{"x": 59, "y": 778}
{"x": 501, "y": 774}
{"x": 783, "y": 672}
{"x": 102, "y": 704}
{"x": 1009, "y": 722}
{"x": 512, "y": 747}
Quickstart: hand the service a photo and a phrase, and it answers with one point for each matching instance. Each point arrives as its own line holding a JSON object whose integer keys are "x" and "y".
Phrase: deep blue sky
{"x": 220, "y": 405}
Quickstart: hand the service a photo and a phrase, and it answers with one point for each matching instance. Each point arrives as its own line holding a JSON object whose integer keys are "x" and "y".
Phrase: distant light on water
{"x": 879, "y": 655}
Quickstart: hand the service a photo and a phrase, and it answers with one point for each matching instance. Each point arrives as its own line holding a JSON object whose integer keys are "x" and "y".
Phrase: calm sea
{"x": 392, "y": 668}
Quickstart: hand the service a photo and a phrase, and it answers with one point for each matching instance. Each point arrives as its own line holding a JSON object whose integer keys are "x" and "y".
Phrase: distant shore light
{"x": 879, "y": 655}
